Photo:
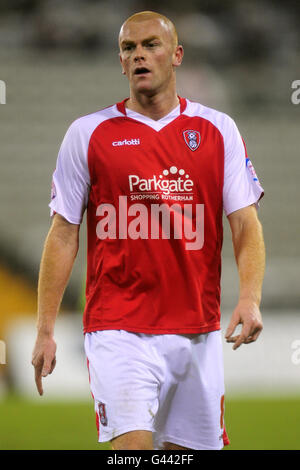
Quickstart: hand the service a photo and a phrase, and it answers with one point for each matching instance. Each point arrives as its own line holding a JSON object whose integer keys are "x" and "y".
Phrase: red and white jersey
{"x": 155, "y": 192}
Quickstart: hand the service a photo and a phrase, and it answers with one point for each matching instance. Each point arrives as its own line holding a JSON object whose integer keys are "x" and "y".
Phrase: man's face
{"x": 147, "y": 55}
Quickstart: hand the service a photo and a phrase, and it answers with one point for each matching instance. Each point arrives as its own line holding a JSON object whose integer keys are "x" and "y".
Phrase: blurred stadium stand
{"x": 59, "y": 61}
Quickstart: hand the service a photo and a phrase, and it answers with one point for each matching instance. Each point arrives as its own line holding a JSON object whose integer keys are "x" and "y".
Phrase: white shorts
{"x": 172, "y": 385}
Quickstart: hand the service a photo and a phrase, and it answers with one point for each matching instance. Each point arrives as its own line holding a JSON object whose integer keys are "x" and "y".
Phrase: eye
{"x": 127, "y": 48}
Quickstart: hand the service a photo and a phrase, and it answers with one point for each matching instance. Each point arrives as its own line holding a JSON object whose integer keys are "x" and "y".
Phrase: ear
{"x": 178, "y": 56}
{"x": 121, "y": 61}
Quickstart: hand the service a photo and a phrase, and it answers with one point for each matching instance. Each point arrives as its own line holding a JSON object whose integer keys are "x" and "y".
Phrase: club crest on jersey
{"x": 102, "y": 414}
{"x": 192, "y": 139}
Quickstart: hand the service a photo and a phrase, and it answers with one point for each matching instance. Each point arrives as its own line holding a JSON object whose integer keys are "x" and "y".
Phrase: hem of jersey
{"x": 160, "y": 331}
{"x": 108, "y": 436}
{"x": 254, "y": 200}
{"x": 189, "y": 444}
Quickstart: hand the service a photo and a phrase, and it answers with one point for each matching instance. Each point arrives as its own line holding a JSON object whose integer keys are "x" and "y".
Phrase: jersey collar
{"x": 122, "y": 108}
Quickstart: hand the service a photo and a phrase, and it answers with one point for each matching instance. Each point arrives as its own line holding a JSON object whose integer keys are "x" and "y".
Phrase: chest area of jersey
{"x": 132, "y": 158}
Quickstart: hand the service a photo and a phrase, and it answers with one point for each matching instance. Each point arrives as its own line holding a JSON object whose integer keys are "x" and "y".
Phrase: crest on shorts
{"x": 102, "y": 413}
{"x": 192, "y": 139}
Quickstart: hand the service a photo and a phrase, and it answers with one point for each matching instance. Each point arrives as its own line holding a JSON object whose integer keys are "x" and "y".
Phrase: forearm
{"x": 249, "y": 252}
{"x": 56, "y": 265}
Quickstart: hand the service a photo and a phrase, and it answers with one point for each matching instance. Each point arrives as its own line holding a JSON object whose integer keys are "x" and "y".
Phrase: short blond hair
{"x": 150, "y": 15}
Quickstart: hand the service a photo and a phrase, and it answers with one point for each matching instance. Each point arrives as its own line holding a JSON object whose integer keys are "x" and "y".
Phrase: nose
{"x": 139, "y": 54}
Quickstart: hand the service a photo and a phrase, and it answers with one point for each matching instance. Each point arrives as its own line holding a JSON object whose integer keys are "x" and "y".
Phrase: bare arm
{"x": 57, "y": 261}
{"x": 249, "y": 250}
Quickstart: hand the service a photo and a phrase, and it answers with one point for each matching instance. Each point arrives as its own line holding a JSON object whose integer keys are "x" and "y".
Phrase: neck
{"x": 156, "y": 106}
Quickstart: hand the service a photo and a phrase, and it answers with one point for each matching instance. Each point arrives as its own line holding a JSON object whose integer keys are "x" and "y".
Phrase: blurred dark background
{"x": 59, "y": 60}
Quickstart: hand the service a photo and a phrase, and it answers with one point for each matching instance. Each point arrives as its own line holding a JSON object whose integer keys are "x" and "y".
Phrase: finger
{"x": 248, "y": 335}
{"x": 253, "y": 337}
{"x": 52, "y": 366}
{"x": 231, "y": 327}
{"x": 37, "y": 362}
{"x": 249, "y": 340}
{"x": 242, "y": 337}
{"x": 38, "y": 380}
{"x": 256, "y": 335}
{"x": 47, "y": 366}
{"x": 246, "y": 331}
{"x": 232, "y": 339}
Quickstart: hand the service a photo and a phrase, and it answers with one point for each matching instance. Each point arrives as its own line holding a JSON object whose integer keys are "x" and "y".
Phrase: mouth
{"x": 141, "y": 71}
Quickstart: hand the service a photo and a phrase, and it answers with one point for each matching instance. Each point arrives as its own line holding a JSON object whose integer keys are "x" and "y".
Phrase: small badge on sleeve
{"x": 53, "y": 191}
{"x": 250, "y": 168}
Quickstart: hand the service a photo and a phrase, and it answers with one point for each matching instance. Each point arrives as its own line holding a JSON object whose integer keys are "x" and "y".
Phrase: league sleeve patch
{"x": 251, "y": 170}
{"x": 53, "y": 191}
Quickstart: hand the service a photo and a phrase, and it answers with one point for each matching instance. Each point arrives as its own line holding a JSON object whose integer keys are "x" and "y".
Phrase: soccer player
{"x": 155, "y": 173}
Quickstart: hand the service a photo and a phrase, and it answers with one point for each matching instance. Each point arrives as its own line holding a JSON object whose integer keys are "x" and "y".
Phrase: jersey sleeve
{"x": 241, "y": 185}
{"x": 71, "y": 179}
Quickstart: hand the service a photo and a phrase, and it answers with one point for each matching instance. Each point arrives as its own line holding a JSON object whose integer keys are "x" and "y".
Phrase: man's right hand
{"x": 43, "y": 358}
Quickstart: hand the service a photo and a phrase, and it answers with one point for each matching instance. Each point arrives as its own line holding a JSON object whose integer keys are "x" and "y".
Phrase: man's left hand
{"x": 248, "y": 314}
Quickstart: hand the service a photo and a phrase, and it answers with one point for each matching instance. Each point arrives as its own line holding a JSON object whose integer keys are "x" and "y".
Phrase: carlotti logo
{"x": 119, "y": 143}
{"x": 155, "y": 220}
